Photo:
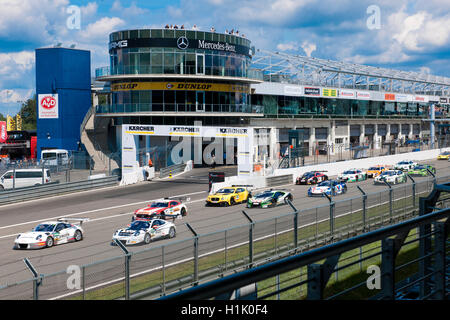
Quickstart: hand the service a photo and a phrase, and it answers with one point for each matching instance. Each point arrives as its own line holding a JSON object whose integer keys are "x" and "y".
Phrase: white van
{"x": 55, "y": 157}
{"x": 24, "y": 178}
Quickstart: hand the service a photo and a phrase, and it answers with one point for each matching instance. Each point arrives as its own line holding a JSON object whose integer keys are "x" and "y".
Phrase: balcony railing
{"x": 175, "y": 107}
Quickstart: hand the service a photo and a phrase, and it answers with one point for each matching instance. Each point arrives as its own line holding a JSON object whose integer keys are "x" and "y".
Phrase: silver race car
{"x": 50, "y": 233}
{"x": 144, "y": 232}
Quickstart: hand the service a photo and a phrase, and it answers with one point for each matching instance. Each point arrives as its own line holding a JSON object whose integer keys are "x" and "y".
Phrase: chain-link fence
{"x": 165, "y": 268}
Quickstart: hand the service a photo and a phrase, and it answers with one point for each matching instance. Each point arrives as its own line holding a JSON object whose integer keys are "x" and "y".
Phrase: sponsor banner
{"x": 181, "y": 43}
{"x": 184, "y": 86}
{"x": 363, "y": 95}
{"x": 402, "y": 97}
{"x": 186, "y": 131}
{"x": 293, "y": 91}
{"x": 329, "y": 92}
{"x": 48, "y": 106}
{"x": 443, "y": 100}
{"x": 420, "y": 98}
{"x": 10, "y": 123}
{"x": 232, "y": 132}
{"x": 3, "y": 132}
{"x": 389, "y": 97}
{"x": 309, "y": 91}
{"x": 347, "y": 94}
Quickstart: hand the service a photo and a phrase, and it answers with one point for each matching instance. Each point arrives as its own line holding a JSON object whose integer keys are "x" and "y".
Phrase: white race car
{"x": 390, "y": 176}
{"x": 48, "y": 234}
{"x": 163, "y": 209}
{"x": 353, "y": 175}
{"x": 405, "y": 165}
{"x": 145, "y": 232}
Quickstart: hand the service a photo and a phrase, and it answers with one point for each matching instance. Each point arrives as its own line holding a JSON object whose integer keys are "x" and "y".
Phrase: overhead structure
{"x": 289, "y": 68}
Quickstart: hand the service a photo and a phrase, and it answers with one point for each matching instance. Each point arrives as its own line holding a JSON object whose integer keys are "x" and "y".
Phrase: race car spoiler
{"x": 181, "y": 199}
{"x": 80, "y": 220}
{"x": 242, "y": 185}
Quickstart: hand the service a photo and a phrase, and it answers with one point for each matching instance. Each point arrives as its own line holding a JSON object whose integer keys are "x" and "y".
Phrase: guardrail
{"x": 279, "y": 180}
{"x": 171, "y": 170}
{"x": 53, "y": 189}
{"x": 163, "y": 269}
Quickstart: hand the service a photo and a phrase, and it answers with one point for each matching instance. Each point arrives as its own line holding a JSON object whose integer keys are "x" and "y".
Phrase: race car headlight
{"x": 39, "y": 237}
{"x": 18, "y": 236}
{"x": 137, "y": 233}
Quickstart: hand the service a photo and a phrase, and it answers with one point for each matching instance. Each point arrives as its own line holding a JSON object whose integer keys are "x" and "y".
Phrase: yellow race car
{"x": 228, "y": 196}
{"x": 375, "y": 171}
{"x": 444, "y": 155}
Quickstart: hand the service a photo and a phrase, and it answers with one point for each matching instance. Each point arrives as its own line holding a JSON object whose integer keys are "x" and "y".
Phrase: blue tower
{"x": 63, "y": 96}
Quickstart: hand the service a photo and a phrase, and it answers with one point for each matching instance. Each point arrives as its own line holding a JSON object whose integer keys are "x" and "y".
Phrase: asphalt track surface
{"x": 111, "y": 208}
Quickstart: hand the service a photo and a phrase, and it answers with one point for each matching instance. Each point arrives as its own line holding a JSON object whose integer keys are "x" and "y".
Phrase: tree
{"x": 28, "y": 114}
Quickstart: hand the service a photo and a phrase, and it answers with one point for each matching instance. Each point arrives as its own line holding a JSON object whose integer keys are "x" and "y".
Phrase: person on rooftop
{"x": 194, "y": 27}
{"x": 182, "y": 27}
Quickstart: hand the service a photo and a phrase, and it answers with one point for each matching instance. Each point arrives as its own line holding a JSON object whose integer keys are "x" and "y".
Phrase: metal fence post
{"x": 14, "y": 176}
{"x": 390, "y": 201}
{"x": 250, "y": 239}
{"x": 332, "y": 207}
{"x": 440, "y": 263}
{"x": 37, "y": 281}
{"x": 388, "y": 269}
{"x": 413, "y": 190}
{"x": 315, "y": 282}
{"x": 83, "y": 281}
{"x": 127, "y": 268}
{"x": 195, "y": 253}
{"x": 364, "y": 198}
{"x": 424, "y": 249}
{"x": 295, "y": 223}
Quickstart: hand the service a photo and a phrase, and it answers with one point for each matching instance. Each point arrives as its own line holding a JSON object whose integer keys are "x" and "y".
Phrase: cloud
{"x": 14, "y": 66}
{"x": 132, "y": 10}
{"x": 14, "y": 96}
{"x": 290, "y": 46}
{"x": 101, "y": 29}
{"x": 308, "y": 47}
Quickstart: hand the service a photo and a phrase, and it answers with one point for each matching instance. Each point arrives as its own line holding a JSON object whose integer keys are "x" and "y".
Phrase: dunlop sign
{"x": 185, "y": 86}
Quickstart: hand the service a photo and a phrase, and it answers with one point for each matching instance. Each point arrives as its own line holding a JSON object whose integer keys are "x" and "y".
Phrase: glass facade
{"x": 175, "y": 61}
{"x": 290, "y": 106}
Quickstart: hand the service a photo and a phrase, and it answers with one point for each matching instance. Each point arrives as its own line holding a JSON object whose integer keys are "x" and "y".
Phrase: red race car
{"x": 161, "y": 209}
{"x": 312, "y": 177}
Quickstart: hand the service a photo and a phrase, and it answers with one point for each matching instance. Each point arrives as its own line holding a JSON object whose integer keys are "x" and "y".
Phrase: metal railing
{"x": 171, "y": 170}
{"x": 197, "y": 258}
{"x": 179, "y": 107}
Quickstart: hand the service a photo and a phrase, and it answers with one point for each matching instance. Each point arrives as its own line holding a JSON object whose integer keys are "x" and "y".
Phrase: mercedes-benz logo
{"x": 182, "y": 43}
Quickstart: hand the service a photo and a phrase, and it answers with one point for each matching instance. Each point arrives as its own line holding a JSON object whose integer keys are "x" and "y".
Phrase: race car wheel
{"x": 325, "y": 178}
{"x": 183, "y": 212}
{"x": 78, "y": 235}
{"x": 232, "y": 202}
{"x": 315, "y": 181}
{"x": 396, "y": 181}
{"x": 344, "y": 190}
{"x": 147, "y": 238}
{"x": 49, "y": 243}
{"x": 172, "y": 233}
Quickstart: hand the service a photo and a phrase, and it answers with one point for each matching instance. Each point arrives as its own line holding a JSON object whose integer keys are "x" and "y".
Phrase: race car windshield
{"x": 388, "y": 173}
{"x": 159, "y": 205}
{"x": 403, "y": 162}
{"x": 308, "y": 174}
{"x": 349, "y": 172}
{"x": 44, "y": 228}
{"x": 324, "y": 184}
{"x": 226, "y": 191}
{"x": 419, "y": 167}
{"x": 374, "y": 168}
{"x": 264, "y": 195}
{"x": 139, "y": 225}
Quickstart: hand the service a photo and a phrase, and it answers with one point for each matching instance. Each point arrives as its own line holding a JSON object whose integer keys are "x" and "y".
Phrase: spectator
{"x": 194, "y": 27}
{"x": 226, "y": 31}
{"x": 213, "y": 162}
{"x": 232, "y": 31}
{"x": 212, "y": 29}
{"x": 166, "y": 27}
{"x": 175, "y": 27}
{"x": 182, "y": 27}
{"x": 237, "y": 32}
{"x": 171, "y": 27}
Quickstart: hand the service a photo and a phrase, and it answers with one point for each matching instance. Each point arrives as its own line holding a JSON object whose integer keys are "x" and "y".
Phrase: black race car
{"x": 312, "y": 177}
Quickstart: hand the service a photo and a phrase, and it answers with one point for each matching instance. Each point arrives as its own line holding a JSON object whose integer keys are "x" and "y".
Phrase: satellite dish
{"x": 58, "y": 45}
{"x": 73, "y": 46}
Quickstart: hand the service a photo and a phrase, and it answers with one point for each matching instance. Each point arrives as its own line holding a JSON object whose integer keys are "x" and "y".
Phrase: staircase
{"x": 94, "y": 137}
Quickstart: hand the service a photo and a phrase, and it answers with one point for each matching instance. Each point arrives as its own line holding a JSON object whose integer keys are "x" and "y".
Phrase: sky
{"x": 405, "y": 35}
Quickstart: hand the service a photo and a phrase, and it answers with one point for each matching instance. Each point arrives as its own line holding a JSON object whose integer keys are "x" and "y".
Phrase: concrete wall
{"x": 335, "y": 168}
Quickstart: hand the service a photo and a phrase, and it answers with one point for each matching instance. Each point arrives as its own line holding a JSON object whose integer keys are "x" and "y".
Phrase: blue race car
{"x": 330, "y": 187}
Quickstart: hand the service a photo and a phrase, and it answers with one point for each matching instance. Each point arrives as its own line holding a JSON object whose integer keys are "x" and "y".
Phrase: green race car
{"x": 269, "y": 198}
{"x": 421, "y": 170}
